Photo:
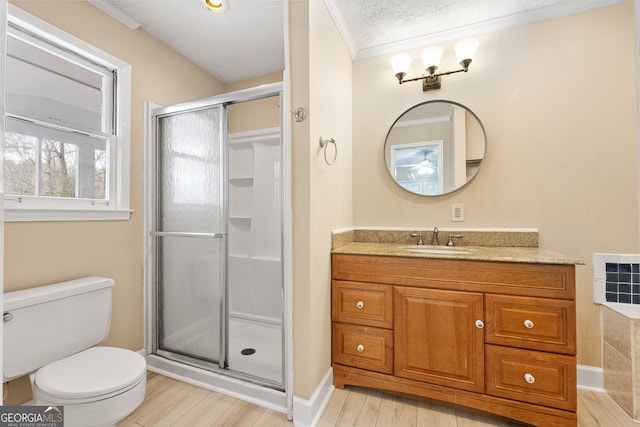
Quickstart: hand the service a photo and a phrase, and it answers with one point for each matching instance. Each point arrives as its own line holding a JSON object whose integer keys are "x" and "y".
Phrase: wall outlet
{"x": 457, "y": 212}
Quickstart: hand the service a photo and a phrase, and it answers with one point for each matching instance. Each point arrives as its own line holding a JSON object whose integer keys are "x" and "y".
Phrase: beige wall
{"x": 557, "y": 99}
{"x": 46, "y": 252}
{"x": 321, "y": 83}
{"x": 257, "y": 114}
{"x": 561, "y": 157}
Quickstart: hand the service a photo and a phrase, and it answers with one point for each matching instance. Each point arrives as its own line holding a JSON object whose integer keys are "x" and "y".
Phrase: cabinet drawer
{"x": 363, "y": 347}
{"x": 534, "y": 323}
{"x": 362, "y": 303}
{"x": 531, "y": 376}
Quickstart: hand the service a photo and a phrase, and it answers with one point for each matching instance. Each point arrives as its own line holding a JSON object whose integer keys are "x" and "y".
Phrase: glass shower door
{"x": 189, "y": 236}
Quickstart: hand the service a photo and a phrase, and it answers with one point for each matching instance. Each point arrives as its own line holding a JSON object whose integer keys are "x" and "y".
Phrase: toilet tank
{"x": 48, "y": 323}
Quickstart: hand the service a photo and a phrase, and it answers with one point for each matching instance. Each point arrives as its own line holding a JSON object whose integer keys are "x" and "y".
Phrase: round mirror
{"x": 435, "y": 148}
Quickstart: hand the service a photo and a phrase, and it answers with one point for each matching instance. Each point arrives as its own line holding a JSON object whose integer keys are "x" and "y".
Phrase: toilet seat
{"x": 90, "y": 375}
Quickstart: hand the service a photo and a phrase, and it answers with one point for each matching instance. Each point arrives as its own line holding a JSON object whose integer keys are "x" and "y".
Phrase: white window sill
{"x": 18, "y": 215}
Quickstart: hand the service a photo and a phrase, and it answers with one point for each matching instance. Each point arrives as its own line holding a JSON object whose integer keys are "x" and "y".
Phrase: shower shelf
{"x": 241, "y": 179}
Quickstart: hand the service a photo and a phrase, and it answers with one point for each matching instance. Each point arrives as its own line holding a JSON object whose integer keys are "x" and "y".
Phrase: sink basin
{"x": 444, "y": 250}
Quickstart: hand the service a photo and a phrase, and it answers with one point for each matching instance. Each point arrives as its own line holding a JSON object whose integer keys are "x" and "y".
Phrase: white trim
{"x": 62, "y": 209}
{"x": 45, "y": 30}
{"x": 287, "y": 221}
{"x": 29, "y": 215}
{"x": 342, "y": 27}
{"x": 591, "y": 378}
{"x": 544, "y": 13}
{"x": 307, "y": 413}
{"x": 3, "y": 56}
{"x": 116, "y": 13}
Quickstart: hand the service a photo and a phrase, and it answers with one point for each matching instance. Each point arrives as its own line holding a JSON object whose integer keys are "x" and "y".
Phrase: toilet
{"x": 51, "y": 333}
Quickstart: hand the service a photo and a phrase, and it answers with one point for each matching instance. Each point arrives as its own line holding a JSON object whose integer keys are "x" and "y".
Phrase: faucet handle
{"x": 419, "y": 236}
{"x": 451, "y": 236}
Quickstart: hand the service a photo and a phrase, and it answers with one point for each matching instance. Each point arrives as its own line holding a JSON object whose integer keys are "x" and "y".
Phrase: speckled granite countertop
{"x": 471, "y": 253}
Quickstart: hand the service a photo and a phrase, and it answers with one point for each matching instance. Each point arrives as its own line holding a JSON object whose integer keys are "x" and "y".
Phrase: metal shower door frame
{"x": 151, "y": 232}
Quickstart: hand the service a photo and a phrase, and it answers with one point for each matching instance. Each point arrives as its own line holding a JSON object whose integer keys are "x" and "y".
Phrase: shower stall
{"x": 214, "y": 294}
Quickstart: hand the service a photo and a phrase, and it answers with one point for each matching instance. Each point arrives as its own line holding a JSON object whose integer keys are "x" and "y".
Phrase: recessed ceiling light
{"x": 215, "y": 5}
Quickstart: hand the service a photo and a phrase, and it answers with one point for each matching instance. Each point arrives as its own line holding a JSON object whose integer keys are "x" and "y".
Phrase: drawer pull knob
{"x": 360, "y": 305}
{"x": 479, "y": 324}
{"x": 360, "y": 348}
{"x": 528, "y": 324}
{"x": 529, "y": 378}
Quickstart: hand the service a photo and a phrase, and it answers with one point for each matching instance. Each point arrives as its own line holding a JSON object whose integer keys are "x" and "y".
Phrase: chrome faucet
{"x": 434, "y": 237}
{"x": 419, "y": 236}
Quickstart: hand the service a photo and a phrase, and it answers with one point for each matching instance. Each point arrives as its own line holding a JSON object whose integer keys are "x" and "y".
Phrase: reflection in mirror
{"x": 435, "y": 148}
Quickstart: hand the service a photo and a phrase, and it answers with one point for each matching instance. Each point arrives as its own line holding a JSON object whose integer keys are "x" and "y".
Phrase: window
{"x": 66, "y": 126}
{"x": 418, "y": 166}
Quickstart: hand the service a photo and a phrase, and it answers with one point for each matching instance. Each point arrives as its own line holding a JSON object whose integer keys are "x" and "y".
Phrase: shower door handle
{"x": 185, "y": 234}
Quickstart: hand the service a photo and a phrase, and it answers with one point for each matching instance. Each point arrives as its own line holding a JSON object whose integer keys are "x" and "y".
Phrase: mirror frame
{"x": 387, "y": 151}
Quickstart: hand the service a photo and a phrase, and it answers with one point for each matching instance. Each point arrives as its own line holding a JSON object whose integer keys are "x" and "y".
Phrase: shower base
{"x": 255, "y": 348}
{"x": 249, "y": 376}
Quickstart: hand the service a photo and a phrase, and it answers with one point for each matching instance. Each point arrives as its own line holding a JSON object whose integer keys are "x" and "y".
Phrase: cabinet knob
{"x": 360, "y": 305}
{"x": 529, "y": 378}
{"x": 528, "y": 324}
{"x": 360, "y": 348}
{"x": 479, "y": 324}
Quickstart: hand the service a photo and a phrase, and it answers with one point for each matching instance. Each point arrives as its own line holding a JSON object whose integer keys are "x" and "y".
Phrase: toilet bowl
{"x": 50, "y": 333}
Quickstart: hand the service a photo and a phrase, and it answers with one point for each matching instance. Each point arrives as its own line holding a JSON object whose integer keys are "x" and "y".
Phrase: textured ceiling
{"x": 368, "y": 20}
{"x": 248, "y": 39}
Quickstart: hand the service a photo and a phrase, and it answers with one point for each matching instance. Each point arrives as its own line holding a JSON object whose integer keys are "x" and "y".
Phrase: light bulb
{"x": 400, "y": 63}
{"x": 431, "y": 56}
{"x": 215, "y": 5}
{"x": 466, "y": 49}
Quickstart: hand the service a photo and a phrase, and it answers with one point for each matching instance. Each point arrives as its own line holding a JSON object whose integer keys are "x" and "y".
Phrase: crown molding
{"x": 116, "y": 13}
{"x": 541, "y": 14}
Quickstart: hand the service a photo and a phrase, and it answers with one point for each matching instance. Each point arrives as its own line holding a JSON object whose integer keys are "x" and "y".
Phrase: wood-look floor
{"x": 173, "y": 403}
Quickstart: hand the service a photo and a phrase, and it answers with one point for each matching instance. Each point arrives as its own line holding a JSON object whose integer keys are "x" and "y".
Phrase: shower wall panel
{"x": 255, "y": 228}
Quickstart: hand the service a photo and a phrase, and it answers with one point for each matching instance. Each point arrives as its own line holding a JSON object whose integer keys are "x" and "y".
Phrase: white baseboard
{"x": 591, "y": 378}
{"x": 307, "y": 413}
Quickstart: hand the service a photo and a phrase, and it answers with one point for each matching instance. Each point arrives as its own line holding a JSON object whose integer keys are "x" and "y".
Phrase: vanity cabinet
{"x": 433, "y": 340}
{"x": 495, "y": 337}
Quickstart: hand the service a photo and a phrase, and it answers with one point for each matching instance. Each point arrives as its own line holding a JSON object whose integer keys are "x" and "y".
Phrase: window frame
{"x": 117, "y": 203}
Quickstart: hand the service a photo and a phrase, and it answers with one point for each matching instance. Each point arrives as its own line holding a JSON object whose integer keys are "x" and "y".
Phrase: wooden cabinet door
{"x": 436, "y": 338}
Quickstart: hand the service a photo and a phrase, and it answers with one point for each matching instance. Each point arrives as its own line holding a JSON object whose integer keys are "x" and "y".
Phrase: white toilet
{"x": 50, "y": 333}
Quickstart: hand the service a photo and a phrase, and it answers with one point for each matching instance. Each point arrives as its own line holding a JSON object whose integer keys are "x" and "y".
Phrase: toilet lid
{"x": 93, "y": 372}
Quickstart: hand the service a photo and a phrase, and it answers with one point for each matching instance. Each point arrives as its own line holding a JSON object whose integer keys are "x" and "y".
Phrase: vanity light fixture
{"x": 215, "y": 5}
{"x": 465, "y": 51}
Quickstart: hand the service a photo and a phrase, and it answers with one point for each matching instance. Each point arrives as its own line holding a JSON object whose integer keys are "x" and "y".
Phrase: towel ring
{"x": 324, "y": 143}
